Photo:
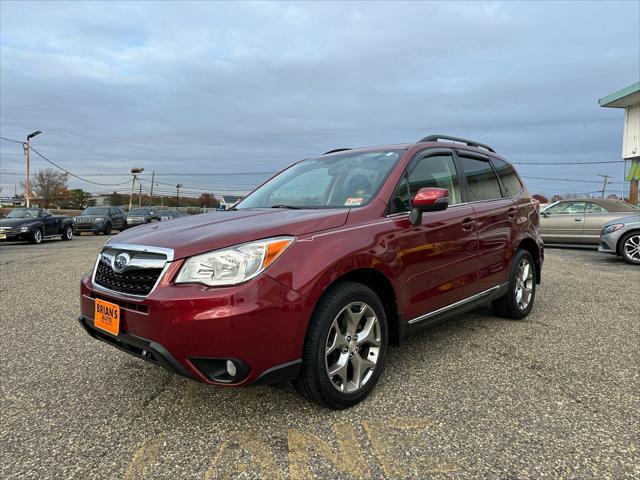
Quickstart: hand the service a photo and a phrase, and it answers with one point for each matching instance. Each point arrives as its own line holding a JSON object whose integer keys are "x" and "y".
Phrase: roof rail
{"x": 335, "y": 150}
{"x": 471, "y": 143}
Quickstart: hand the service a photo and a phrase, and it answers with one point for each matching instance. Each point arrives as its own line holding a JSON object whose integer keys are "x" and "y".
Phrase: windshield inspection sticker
{"x": 353, "y": 201}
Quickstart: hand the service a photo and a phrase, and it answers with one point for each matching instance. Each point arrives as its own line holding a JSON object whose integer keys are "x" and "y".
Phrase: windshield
{"x": 348, "y": 179}
{"x": 95, "y": 211}
{"x": 139, "y": 211}
{"x": 24, "y": 213}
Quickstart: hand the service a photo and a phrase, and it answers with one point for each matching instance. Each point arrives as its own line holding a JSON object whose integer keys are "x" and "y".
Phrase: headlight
{"x": 98, "y": 219}
{"x": 26, "y": 228}
{"x": 612, "y": 228}
{"x": 233, "y": 265}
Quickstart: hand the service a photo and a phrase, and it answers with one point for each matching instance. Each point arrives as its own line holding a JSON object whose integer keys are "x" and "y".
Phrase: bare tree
{"x": 49, "y": 186}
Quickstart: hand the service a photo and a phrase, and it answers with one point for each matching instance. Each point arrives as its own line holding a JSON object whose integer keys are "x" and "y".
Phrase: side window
{"x": 481, "y": 179}
{"x": 436, "y": 171}
{"x": 507, "y": 174}
{"x": 566, "y": 208}
{"x": 594, "y": 208}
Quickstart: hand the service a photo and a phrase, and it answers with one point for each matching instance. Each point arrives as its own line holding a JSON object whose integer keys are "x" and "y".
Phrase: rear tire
{"x": 36, "y": 237}
{"x": 67, "y": 233}
{"x": 345, "y": 347}
{"x": 521, "y": 292}
{"x": 630, "y": 248}
{"x": 107, "y": 229}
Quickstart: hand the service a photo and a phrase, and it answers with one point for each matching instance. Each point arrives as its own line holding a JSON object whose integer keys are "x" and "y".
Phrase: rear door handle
{"x": 578, "y": 219}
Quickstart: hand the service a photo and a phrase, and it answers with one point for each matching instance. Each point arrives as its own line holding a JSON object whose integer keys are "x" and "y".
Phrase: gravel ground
{"x": 553, "y": 396}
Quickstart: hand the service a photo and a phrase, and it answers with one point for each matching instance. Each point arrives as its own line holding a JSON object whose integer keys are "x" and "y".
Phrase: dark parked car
{"x": 34, "y": 225}
{"x": 100, "y": 220}
{"x": 141, "y": 215}
{"x": 313, "y": 275}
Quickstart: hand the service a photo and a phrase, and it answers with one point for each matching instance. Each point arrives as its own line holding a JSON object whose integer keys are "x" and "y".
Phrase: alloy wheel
{"x": 352, "y": 348}
{"x": 632, "y": 248}
{"x": 37, "y": 235}
{"x": 524, "y": 284}
{"x": 69, "y": 233}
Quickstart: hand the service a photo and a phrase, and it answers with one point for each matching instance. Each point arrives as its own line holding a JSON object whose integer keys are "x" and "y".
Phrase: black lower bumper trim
{"x": 280, "y": 373}
{"x": 138, "y": 347}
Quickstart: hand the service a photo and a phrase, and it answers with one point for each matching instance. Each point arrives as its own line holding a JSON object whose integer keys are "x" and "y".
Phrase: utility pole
{"x": 606, "y": 181}
{"x": 27, "y": 183}
{"x": 178, "y": 187}
{"x": 134, "y": 172}
{"x": 153, "y": 176}
{"x": 140, "y": 196}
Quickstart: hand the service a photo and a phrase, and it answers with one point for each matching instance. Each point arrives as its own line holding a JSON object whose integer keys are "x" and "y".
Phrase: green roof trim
{"x": 615, "y": 96}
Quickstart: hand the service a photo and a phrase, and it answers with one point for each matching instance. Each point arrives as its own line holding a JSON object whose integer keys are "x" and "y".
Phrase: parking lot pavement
{"x": 553, "y": 396}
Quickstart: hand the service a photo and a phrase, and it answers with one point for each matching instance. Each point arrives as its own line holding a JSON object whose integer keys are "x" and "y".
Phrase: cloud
{"x": 238, "y": 87}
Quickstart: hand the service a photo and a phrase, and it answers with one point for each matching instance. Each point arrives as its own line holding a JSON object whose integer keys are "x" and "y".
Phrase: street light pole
{"x": 134, "y": 172}
{"x": 178, "y": 187}
{"x": 27, "y": 183}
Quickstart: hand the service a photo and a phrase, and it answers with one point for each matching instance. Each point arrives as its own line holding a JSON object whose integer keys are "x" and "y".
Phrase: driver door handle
{"x": 467, "y": 224}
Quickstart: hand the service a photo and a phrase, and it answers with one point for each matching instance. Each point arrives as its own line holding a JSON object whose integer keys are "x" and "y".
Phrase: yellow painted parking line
{"x": 245, "y": 455}
{"x": 147, "y": 454}
{"x": 347, "y": 457}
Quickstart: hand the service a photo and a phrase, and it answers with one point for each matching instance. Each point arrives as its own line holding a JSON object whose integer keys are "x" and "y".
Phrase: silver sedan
{"x": 622, "y": 237}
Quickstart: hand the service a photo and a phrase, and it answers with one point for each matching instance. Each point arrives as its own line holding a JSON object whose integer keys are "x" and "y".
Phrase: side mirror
{"x": 428, "y": 199}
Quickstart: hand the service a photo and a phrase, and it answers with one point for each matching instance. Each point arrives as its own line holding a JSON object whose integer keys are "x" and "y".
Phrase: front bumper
{"x": 14, "y": 236}
{"x": 262, "y": 324}
{"x": 88, "y": 227}
{"x": 608, "y": 243}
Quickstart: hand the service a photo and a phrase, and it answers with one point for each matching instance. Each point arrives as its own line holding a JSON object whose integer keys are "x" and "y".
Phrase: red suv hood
{"x": 196, "y": 234}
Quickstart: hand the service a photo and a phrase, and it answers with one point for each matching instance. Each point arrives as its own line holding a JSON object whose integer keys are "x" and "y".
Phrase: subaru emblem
{"x": 120, "y": 262}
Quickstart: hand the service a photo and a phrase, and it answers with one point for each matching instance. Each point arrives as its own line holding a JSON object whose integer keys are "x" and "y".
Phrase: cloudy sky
{"x": 198, "y": 90}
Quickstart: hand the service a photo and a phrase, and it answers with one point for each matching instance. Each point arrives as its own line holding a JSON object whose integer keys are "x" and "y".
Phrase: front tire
{"x": 36, "y": 237}
{"x": 630, "y": 248}
{"x": 345, "y": 347}
{"x": 67, "y": 233}
{"x": 521, "y": 292}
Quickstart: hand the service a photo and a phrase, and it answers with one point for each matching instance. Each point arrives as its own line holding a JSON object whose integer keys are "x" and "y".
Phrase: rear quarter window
{"x": 508, "y": 177}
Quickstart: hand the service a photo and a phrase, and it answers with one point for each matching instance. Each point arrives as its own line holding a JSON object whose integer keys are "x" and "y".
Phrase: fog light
{"x": 231, "y": 368}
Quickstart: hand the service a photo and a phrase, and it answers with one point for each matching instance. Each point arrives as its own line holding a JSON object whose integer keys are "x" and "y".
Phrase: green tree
{"x": 79, "y": 199}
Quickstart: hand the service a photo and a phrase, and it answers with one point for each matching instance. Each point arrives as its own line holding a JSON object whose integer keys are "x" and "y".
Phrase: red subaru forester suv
{"x": 314, "y": 274}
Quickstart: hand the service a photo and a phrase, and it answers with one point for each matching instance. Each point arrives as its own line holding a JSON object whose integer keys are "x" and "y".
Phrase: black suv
{"x": 100, "y": 220}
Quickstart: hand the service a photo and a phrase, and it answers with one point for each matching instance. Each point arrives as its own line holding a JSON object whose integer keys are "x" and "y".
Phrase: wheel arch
{"x": 530, "y": 245}
{"x": 624, "y": 234}
{"x": 383, "y": 287}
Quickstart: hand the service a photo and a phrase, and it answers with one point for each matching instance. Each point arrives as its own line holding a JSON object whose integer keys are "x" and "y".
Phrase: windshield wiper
{"x": 290, "y": 207}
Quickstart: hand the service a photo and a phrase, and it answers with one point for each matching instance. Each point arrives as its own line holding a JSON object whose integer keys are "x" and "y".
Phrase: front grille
{"x": 132, "y": 282}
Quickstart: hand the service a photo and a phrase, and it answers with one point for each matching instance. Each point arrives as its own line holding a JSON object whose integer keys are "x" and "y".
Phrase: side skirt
{"x": 455, "y": 309}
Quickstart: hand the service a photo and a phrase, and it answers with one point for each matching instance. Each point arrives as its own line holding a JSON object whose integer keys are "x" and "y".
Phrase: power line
{"x": 73, "y": 174}
{"x": 568, "y": 163}
{"x": 11, "y": 140}
{"x": 564, "y": 179}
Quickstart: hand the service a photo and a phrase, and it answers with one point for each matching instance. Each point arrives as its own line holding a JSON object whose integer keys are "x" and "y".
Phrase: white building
{"x": 629, "y": 99}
